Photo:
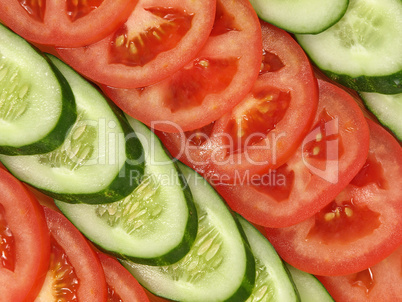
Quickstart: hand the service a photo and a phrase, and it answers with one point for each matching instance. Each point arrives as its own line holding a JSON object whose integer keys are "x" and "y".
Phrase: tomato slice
{"x": 75, "y": 272}
{"x": 267, "y": 126}
{"x": 361, "y": 226}
{"x": 24, "y": 241}
{"x": 122, "y": 286}
{"x": 314, "y": 175}
{"x": 189, "y": 99}
{"x": 69, "y": 23}
{"x": 155, "y": 41}
{"x": 381, "y": 282}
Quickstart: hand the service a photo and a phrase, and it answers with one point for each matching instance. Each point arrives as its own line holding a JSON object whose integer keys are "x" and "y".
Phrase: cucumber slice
{"x": 220, "y": 265}
{"x": 363, "y": 50}
{"x": 310, "y": 289}
{"x": 273, "y": 282}
{"x": 100, "y": 160}
{"x": 302, "y": 17}
{"x": 37, "y": 106}
{"x": 155, "y": 225}
{"x": 387, "y": 108}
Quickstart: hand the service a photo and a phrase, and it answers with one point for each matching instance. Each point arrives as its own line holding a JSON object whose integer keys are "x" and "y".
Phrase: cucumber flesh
{"x": 387, "y": 108}
{"x": 220, "y": 265}
{"x": 37, "y": 106}
{"x": 308, "y": 286}
{"x": 363, "y": 50}
{"x": 273, "y": 282}
{"x": 97, "y": 163}
{"x": 303, "y": 17}
{"x": 156, "y": 224}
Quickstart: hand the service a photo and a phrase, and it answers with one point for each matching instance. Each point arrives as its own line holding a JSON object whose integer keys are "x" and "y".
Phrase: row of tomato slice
{"x": 290, "y": 153}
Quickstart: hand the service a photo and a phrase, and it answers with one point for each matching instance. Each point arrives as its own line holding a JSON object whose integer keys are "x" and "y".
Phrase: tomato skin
{"x": 26, "y": 220}
{"x": 381, "y": 282}
{"x": 57, "y": 29}
{"x": 96, "y": 61}
{"x": 83, "y": 258}
{"x": 357, "y": 238}
{"x": 122, "y": 282}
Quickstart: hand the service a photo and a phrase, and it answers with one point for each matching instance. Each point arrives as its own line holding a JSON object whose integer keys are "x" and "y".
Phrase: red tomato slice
{"x": 24, "y": 241}
{"x": 267, "y": 126}
{"x": 122, "y": 286}
{"x": 75, "y": 272}
{"x": 189, "y": 99}
{"x": 69, "y": 23}
{"x": 327, "y": 160}
{"x": 361, "y": 226}
{"x": 157, "y": 40}
{"x": 381, "y": 282}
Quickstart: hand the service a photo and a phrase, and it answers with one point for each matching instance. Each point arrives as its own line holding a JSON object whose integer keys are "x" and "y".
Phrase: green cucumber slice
{"x": 155, "y": 225}
{"x": 219, "y": 266}
{"x": 37, "y": 106}
{"x": 310, "y": 289}
{"x": 100, "y": 160}
{"x": 303, "y": 17}
{"x": 273, "y": 282}
{"x": 363, "y": 50}
{"x": 387, "y": 108}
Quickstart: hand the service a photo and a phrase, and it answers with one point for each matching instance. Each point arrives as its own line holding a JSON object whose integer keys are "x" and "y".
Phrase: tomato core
{"x": 80, "y": 8}
{"x": 326, "y": 132}
{"x": 112, "y": 296}
{"x": 35, "y": 8}
{"x": 190, "y": 86}
{"x": 65, "y": 281}
{"x": 259, "y": 115}
{"x": 200, "y": 136}
{"x": 364, "y": 279}
{"x": 344, "y": 222}
{"x": 138, "y": 49}
{"x": 277, "y": 183}
{"x": 372, "y": 172}
{"x": 7, "y": 243}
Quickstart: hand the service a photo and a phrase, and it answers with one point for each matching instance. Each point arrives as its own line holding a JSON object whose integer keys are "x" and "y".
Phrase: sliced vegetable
{"x": 154, "y": 42}
{"x": 387, "y": 108}
{"x": 273, "y": 282}
{"x": 65, "y": 23}
{"x": 360, "y": 227}
{"x": 75, "y": 272}
{"x": 363, "y": 50}
{"x": 220, "y": 265}
{"x": 381, "y": 282}
{"x": 121, "y": 285}
{"x": 326, "y": 161}
{"x": 308, "y": 286}
{"x": 156, "y": 224}
{"x": 189, "y": 99}
{"x": 100, "y": 160}
{"x": 24, "y": 241}
{"x": 37, "y": 106}
{"x": 303, "y": 17}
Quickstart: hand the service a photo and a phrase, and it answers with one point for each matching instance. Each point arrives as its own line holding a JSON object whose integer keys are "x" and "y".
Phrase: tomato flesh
{"x": 7, "y": 243}
{"x": 372, "y": 172}
{"x": 138, "y": 49}
{"x": 112, "y": 296}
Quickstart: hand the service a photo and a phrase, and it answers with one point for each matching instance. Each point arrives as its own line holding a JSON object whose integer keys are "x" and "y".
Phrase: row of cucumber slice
{"x": 111, "y": 176}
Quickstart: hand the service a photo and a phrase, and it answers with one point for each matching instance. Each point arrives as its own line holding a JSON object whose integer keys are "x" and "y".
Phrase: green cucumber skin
{"x": 389, "y": 84}
{"x": 67, "y": 119}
